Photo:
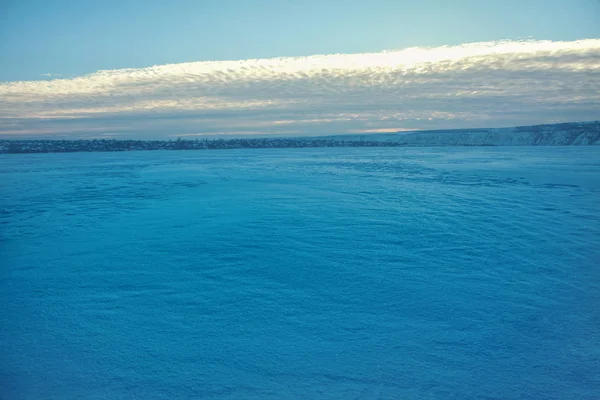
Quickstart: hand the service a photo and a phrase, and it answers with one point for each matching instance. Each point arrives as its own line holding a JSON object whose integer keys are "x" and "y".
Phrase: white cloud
{"x": 478, "y": 84}
{"x": 50, "y": 75}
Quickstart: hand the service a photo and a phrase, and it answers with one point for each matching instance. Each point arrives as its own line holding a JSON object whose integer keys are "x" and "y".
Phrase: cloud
{"x": 50, "y": 75}
{"x": 471, "y": 85}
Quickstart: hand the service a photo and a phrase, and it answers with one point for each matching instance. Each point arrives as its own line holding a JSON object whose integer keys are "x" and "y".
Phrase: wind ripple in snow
{"x": 312, "y": 273}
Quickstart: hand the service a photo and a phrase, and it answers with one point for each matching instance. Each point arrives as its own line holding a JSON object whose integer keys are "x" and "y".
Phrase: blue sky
{"x": 48, "y": 40}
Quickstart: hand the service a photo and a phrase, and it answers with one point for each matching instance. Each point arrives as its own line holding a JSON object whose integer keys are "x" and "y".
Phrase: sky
{"x": 179, "y": 68}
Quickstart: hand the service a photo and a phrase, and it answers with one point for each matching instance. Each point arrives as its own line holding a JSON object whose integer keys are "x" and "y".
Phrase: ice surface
{"x": 311, "y": 273}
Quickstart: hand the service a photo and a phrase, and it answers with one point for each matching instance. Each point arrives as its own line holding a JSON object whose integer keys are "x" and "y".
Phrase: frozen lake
{"x": 363, "y": 273}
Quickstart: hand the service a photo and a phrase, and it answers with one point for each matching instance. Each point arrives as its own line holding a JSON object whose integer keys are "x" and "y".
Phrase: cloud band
{"x": 477, "y": 84}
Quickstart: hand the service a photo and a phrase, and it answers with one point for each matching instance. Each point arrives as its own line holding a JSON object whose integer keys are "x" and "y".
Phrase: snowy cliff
{"x": 581, "y": 133}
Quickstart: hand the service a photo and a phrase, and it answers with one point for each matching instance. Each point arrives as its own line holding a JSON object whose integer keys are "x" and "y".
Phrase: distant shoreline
{"x": 565, "y": 134}
{"x": 111, "y": 145}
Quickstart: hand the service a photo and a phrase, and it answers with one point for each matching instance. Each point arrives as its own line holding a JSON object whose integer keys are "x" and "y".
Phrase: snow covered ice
{"x": 359, "y": 273}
